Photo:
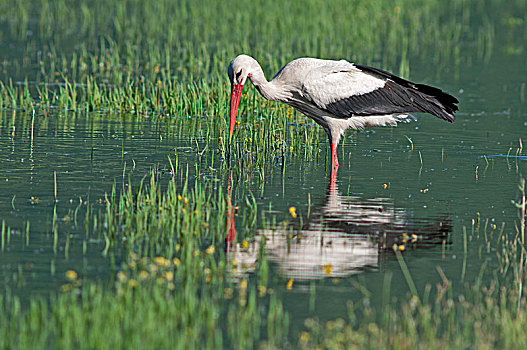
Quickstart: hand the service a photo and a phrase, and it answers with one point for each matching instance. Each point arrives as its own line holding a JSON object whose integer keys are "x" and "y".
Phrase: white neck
{"x": 272, "y": 90}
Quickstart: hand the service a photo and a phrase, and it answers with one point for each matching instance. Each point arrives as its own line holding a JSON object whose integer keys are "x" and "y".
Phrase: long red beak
{"x": 236, "y": 93}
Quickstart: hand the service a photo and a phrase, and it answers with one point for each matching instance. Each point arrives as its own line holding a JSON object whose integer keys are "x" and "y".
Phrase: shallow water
{"x": 447, "y": 177}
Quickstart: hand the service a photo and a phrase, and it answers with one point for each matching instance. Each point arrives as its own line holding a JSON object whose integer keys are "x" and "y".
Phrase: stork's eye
{"x": 238, "y": 75}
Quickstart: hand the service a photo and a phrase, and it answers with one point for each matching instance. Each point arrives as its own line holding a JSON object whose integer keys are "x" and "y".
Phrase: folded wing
{"x": 345, "y": 90}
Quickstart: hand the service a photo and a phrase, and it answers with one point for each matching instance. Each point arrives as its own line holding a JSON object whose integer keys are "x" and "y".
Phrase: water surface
{"x": 430, "y": 179}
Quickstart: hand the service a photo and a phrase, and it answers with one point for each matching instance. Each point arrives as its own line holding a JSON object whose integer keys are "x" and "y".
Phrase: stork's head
{"x": 239, "y": 70}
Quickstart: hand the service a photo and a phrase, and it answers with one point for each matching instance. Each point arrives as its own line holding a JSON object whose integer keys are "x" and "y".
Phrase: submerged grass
{"x": 485, "y": 317}
{"x": 490, "y": 314}
{"x": 166, "y": 61}
{"x": 176, "y": 288}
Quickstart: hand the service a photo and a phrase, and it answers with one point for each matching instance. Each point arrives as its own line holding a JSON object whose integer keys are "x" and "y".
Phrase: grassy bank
{"x": 169, "y": 58}
{"x": 166, "y": 61}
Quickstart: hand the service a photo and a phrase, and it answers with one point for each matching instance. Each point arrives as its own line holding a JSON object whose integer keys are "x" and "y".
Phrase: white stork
{"x": 339, "y": 95}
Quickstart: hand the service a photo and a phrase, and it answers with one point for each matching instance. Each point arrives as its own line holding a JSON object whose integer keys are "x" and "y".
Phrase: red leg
{"x": 334, "y": 162}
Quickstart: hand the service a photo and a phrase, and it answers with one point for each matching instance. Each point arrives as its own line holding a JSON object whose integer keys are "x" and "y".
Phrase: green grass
{"x": 174, "y": 288}
{"x": 484, "y": 318}
{"x": 486, "y": 314}
{"x": 171, "y": 57}
{"x": 166, "y": 60}
{"x": 145, "y": 314}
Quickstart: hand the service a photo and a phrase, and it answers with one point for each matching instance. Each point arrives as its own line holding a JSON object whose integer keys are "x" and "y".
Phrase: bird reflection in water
{"x": 343, "y": 236}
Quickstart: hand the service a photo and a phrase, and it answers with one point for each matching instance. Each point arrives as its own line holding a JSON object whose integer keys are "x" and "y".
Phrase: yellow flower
{"x": 220, "y": 139}
{"x": 121, "y": 276}
{"x": 153, "y": 268}
{"x": 243, "y": 284}
{"x": 169, "y": 275}
{"x": 71, "y": 275}
{"x": 401, "y": 247}
{"x": 245, "y": 244}
{"x": 261, "y": 290}
{"x": 210, "y": 250}
{"x": 179, "y": 197}
{"x": 385, "y": 186}
{"x": 143, "y": 275}
{"x": 160, "y": 261}
{"x": 292, "y": 211}
{"x": 66, "y": 288}
{"x": 176, "y": 261}
{"x": 304, "y": 337}
{"x": 132, "y": 283}
{"x": 289, "y": 284}
{"x": 328, "y": 269}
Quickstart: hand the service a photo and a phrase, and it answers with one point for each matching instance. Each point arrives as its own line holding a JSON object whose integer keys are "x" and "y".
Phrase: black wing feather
{"x": 397, "y": 96}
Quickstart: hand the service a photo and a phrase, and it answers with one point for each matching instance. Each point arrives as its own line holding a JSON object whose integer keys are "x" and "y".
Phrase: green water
{"x": 429, "y": 177}
{"x": 465, "y": 170}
